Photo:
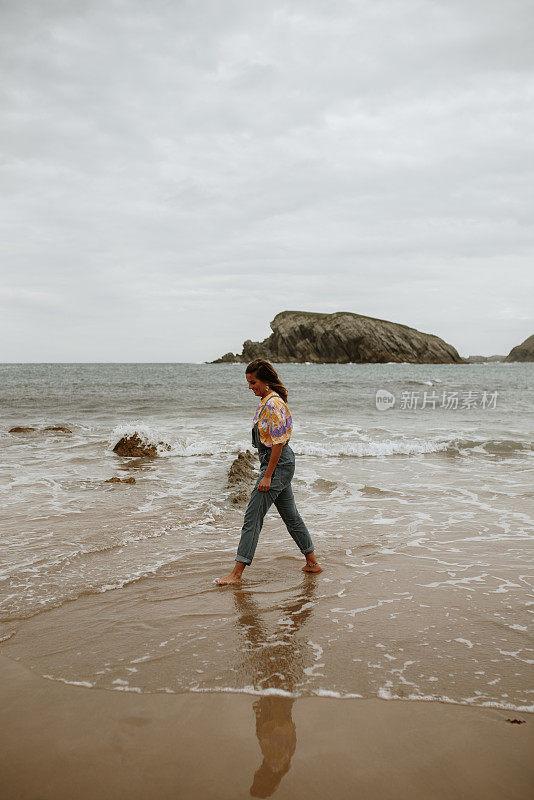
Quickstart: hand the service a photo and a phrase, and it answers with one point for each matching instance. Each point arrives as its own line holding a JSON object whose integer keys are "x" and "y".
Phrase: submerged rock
{"x": 135, "y": 446}
{"x": 241, "y": 477}
{"x": 58, "y": 428}
{"x": 120, "y": 480}
{"x": 324, "y": 485}
{"x": 343, "y": 338}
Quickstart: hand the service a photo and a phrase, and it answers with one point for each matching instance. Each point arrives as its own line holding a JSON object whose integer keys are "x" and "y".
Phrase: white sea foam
{"x": 136, "y": 689}
{"x": 385, "y": 693}
{"x": 352, "y": 443}
{"x": 245, "y": 690}
{"x": 87, "y": 684}
{"x": 353, "y": 611}
{"x": 386, "y": 447}
{"x": 336, "y": 695}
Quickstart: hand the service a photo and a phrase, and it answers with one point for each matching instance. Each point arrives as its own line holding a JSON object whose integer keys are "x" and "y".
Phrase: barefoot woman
{"x": 272, "y": 426}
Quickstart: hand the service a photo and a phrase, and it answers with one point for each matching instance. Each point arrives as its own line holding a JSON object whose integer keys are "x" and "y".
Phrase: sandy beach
{"x": 61, "y": 741}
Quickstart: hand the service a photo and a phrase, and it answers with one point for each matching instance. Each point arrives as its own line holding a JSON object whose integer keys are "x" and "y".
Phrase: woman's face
{"x": 258, "y": 386}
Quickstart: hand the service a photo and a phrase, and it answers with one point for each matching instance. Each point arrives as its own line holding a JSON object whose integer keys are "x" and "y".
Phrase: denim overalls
{"x": 280, "y": 493}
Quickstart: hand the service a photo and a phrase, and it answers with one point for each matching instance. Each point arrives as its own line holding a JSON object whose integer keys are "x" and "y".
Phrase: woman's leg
{"x": 285, "y": 503}
{"x": 258, "y": 505}
{"x": 286, "y": 506}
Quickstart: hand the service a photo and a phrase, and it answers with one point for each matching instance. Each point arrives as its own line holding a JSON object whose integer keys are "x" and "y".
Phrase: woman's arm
{"x": 265, "y": 484}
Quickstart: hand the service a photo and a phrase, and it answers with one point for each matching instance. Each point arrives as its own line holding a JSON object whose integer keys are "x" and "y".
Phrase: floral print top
{"x": 275, "y": 424}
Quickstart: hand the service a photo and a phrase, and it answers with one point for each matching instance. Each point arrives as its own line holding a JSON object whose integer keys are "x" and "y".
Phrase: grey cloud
{"x": 232, "y": 159}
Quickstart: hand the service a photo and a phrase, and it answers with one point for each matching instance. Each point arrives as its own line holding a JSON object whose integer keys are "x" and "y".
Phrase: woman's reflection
{"x": 274, "y": 661}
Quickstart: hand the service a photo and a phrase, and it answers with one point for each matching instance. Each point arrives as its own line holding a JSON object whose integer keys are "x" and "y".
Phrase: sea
{"x": 415, "y": 481}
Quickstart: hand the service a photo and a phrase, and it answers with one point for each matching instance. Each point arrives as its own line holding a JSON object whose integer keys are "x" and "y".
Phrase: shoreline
{"x": 59, "y": 741}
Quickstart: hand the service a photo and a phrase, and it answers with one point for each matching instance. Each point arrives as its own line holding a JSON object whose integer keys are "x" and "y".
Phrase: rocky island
{"x": 523, "y": 351}
{"x": 342, "y": 338}
{"x": 483, "y": 359}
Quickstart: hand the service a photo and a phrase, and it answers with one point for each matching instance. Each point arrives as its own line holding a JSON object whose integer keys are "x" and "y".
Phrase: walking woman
{"x": 271, "y": 431}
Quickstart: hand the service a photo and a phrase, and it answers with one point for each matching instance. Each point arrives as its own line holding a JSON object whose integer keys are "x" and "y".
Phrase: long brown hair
{"x": 265, "y": 371}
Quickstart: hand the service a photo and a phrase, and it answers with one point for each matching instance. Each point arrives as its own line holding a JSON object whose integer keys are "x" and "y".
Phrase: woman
{"x": 272, "y": 426}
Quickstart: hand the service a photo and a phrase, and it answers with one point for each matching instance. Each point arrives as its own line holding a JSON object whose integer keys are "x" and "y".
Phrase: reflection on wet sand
{"x": 274, "y": 661}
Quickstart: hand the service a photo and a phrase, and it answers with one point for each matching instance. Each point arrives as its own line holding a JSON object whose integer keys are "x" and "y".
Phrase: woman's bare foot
{"x": 312, "y": 565}
{"x": 229, "y": 579}
{"x": 234, "y": 576}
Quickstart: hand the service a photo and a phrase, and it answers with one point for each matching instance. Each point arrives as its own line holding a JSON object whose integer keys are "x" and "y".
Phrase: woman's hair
{"x": 267, "y": 373}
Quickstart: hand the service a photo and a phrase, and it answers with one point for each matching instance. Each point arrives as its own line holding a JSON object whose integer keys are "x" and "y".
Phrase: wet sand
{"x": 60, "y": 741}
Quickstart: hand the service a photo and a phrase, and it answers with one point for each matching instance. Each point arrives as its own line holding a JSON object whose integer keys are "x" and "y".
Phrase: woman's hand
{"x": 265, "y": 484}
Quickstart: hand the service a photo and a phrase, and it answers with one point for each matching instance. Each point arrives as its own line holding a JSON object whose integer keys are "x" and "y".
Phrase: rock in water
{"x": 241, "y": 477}
{"x": 135, "y": 446}
{"x": 242, "y": 468}
{"x": 120, "y": 480}
{"x": 58, "y": 429}
{"x": 227, "y": 358}
{"x": 342, "y": 338}
{"x": 523, "y": 351}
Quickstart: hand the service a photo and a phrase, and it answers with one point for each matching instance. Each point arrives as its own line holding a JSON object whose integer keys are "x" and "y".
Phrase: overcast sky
{"x": 176, "y": 172}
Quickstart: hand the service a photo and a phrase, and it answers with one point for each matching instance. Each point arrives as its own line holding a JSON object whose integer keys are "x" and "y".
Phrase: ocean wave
{"x": 386, "y": 447}
{"x": 145, "y": 433}
{"x": 169, "y": 445}
{"x": 75, "y": 593}
{"x": 405, "y": 446}
{"x": 58, "y": 561}
{"x": 383, "y": 693}
{"x": 430, "y": 382}
{"x": 166, "y": 445}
